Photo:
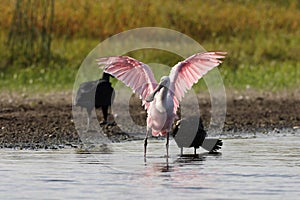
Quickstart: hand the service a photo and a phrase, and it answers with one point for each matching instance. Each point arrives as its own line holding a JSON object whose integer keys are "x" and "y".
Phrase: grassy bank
{"x": 261, "y": 38}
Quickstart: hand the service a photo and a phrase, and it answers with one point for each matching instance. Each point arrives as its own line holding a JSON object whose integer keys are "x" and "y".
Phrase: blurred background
{"x": 43, "y": 42}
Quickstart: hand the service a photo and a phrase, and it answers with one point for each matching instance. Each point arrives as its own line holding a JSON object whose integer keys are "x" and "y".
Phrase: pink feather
{"x": 139, "y": 77}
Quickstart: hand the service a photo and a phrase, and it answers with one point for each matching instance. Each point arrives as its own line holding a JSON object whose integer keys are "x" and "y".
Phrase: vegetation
{"x": 260, "y": 36}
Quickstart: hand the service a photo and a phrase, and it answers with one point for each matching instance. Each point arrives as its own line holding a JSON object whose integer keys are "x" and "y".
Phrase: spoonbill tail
{"x": 161, "y": 100}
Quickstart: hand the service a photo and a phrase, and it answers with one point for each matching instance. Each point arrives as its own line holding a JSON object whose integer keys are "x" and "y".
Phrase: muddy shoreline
{"x": 46, "y": 121}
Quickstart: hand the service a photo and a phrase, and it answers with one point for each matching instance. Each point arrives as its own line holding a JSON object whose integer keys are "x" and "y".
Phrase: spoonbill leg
{"x": 146, "y": 141}
{"x": 167, "y": 145}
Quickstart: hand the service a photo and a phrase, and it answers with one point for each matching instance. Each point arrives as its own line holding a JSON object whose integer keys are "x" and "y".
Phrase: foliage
{"x": 261, "y": 37}
{"x": 29, "y": 38}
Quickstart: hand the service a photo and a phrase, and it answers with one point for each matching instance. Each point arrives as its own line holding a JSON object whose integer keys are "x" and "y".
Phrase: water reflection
{"x": 195, "y": 158}
{"x": 182, "y": 160}
{"x": 185, "y": 175}
{"x": 163, "y": 167}
{"x": 246, "y": 169}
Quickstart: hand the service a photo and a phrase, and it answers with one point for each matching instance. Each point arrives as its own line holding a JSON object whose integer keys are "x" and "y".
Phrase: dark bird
{"x": 188, "y": 138}
{"x": 95, "y": 94}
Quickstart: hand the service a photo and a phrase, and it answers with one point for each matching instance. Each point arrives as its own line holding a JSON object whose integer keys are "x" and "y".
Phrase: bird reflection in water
{"x": 183, "y": 160}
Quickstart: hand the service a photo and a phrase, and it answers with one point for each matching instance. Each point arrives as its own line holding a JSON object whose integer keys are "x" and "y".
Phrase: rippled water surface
{"x": 261, "y": 167}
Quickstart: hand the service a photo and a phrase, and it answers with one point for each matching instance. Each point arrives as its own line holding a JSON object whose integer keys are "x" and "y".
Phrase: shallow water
{"x": 261, "y": 167}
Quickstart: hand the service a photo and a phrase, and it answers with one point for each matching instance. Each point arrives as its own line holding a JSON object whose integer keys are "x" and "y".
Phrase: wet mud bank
{"x": 48, "y": 123}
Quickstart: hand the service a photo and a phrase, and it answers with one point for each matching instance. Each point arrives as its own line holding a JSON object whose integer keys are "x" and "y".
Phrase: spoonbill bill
{"x": 161, "y": 100}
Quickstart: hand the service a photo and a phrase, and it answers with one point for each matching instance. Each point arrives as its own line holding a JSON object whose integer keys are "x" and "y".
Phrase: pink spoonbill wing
{"x": 133, "y": 73}
{"x": 184, "y": 74}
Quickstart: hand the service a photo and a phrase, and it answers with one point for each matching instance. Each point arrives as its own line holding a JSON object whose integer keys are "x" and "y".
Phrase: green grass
{"x": 37, "y": 79}
{"x": 273, "y": 78}
{"x": 275, "y": 75}
{"x": 261, "y": 38}
{"x": 237, "y": 71}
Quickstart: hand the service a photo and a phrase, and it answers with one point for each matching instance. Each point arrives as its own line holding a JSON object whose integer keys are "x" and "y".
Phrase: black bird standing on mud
{"x": 95, "y": 94}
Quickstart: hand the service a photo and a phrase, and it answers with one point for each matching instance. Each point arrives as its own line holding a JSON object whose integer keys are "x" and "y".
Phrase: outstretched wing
{"x": 184, "y": 74}
{"x": 133, "y": 73}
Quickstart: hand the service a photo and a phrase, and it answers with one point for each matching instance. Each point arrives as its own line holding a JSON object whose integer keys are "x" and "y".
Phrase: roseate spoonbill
{"x": 161, "y": 100}
{"x": 95, "y": 94}
{"x": 190, "y": 139}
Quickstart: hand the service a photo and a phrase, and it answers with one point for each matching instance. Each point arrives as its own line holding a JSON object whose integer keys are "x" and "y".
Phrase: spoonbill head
{"x": 164, "y": 83}
{"x": 161, "y": 100}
